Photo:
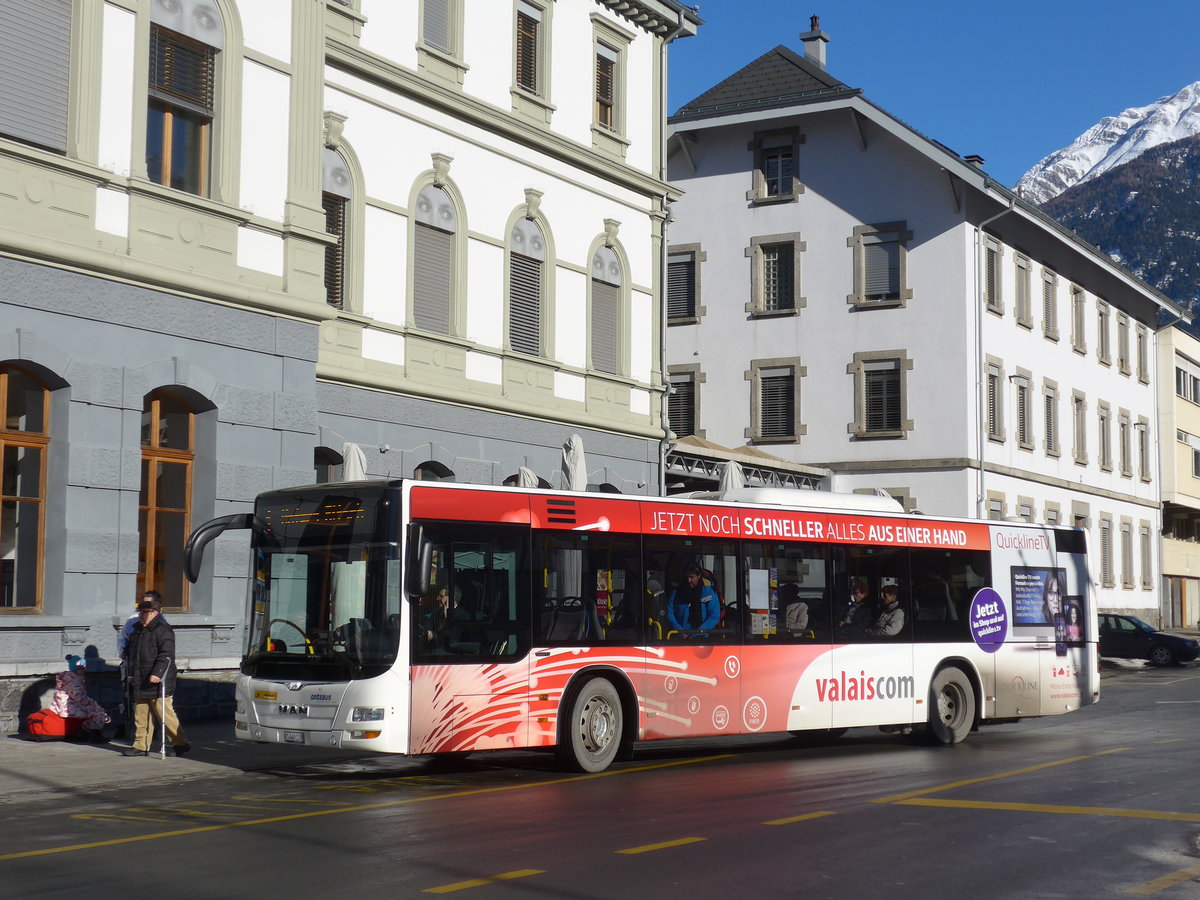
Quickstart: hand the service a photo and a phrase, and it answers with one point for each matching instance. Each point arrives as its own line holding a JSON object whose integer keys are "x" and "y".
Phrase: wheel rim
{"x": 950, "y": 702}
{"x": 1161, "y": 655}
{"x": 597, "y": 725}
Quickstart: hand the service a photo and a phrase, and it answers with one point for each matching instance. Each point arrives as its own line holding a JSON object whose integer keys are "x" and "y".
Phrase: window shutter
{"x": 35, "y": 54}
{"x": 881, "y": 396}
{"x": 1049, "y": 314}
{"x": 605, "y": 320}
{"x": 1051, "y": 434}
{"x": 527, "y": 49}
{"x": 524, "y": 304}
{"x": 681, "y": 286}
{"x": 681, "y": 406}
{"x": 436, "y": 25}
{"x": 606, "y": 65}
{"x": 777, "y": 403}
{"x": 433, "y": 253}
{"x": 1023, "y": 414}
{"x": 335, "y": 254}
{"x": 992, "y": 300}
{"x": 881, "y": 270}
{"x": 181, "y": 70}
{"x": 993, "y": 390}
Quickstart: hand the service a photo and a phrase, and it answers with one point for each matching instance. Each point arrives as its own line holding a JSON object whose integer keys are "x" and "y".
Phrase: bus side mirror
{"x": 193, "y": 550}
{"x": 420, "y": 559}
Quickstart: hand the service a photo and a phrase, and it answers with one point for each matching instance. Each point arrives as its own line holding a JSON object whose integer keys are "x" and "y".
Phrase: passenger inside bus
{"x": 693, "y": 606}
{"x": 889, "y": 621}
{"x": 793, "y": 610}
{"x": 859, "y": 612}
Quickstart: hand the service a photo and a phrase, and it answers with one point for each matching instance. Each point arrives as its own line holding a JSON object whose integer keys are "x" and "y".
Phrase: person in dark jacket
{"x": 150, "y": 668}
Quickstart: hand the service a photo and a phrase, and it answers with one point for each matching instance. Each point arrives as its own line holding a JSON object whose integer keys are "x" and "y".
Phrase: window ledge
{"x": 878, "y": 435}
{"x": 773, "y": 313}
{"x": 531, "y": 106}
{"x": 759, "y": 200}
{"x": 859, "y": 302}
{"x": 608, "y": 141}
{"x": 683, "y": 320}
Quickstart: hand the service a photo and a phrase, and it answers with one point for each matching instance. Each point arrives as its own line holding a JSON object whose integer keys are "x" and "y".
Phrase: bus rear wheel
{"x": 951, "y": 706}
{"x": 592, "y": 735}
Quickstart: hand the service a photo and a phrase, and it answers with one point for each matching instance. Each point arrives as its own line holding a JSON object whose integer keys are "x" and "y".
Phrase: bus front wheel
{"x": 592, "y": 734}
{"x": 951, "y": 706}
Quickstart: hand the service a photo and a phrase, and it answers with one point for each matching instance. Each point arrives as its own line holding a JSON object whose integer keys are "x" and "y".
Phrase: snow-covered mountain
{"x": 1113, "y": 141}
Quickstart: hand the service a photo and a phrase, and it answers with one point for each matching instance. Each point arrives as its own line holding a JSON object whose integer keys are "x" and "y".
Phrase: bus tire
{"x": 951, "y": 706}
{"x": 591, "y": 735}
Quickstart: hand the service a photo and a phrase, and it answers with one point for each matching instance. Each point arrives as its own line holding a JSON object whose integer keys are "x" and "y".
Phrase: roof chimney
{"x": 814, "y": 42}
{"x": 975, "y": 160}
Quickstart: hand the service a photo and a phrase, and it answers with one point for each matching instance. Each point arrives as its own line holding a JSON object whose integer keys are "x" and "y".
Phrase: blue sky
{"x": 1011, "y": 82}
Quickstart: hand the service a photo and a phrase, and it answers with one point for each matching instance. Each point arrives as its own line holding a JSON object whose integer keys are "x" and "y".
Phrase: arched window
{"x": 607, "y": 278}
{"x": 432, "y": 470}
{"x": 24, "y": 446}
{"x": 185, "y": 38}
{"x": 327, "y": 465}
{"x": 164, "y": 509}
{"x": 436, "y": 222}
{"x": 526, "y": 280}
{"x": 335, "y": 197}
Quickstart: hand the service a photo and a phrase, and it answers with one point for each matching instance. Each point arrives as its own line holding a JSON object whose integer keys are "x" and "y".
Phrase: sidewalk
{"x": 64, "y": 767}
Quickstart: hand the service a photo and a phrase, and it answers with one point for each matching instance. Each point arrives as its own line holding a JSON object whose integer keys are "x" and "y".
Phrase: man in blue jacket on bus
{"x": 694, "y": 605}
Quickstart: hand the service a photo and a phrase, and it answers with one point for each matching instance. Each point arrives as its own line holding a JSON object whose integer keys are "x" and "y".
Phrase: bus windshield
{"x": 326, "y": 598}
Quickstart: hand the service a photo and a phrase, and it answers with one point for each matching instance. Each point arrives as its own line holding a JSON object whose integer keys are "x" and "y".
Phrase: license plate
{"x": 293, "y": 737}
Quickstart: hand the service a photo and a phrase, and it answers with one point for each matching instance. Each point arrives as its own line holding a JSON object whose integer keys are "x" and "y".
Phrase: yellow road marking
{"x": 1053, "y": 808}
{"x": 387, "y": 804}
{"x": 665, "y": 845}
{"x": 1170, "y": 741}
{"x": 803, "y": 818}
{"x": 113, "y": 817}
{"x": 896, "y": 798}
{"x": 480, "y": 882}
{"x": 1166, "y": 881}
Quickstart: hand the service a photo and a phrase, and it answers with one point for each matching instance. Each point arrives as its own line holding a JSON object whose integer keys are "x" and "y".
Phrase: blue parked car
{"x": 1128, "y": 637}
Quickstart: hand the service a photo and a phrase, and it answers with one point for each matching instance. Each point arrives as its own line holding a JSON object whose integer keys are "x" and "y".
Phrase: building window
{"x": 606, "y": 86}
{"x": 439, "y": 52}
{"x": 335, "y": 197}
{"x": 1078, "y": 338}
{"x": 607, "y": 279}
{"x": 683, "y": 401}
{"x": 1050, "y": 417}
{"x": 1104, "y": 423}
{"x": 36, "y": 39}
{"x": 179, "y": 118}
{"x": 1143, "y": 362}
{"x": 774, "y": 274}
{"x": 880, "y": 263}
{"x": 434, "y": 230}
{"x": 1079, "y": 423}
{"x": 531, "y": 53}
{"x": 1143, "y": 440}
{"x": 1024, "y": 312}
{"x": 1025, "y": 509}
{"x": 1123, "y": 344}
{"x": 24, "y": 454}
{"x": 1024, "y": 412}
{"x": 1125, "y": 442}
{"x": 1049, "y": 305}
{"x": 775, "y": 400}
{"x": 528, "y": 61}
{"x": 1127, "y": 578}
{"x": 995, "y": 402}
{"x": 773, "y": 177}
{"x": 995, "y": 506}
{"x": 327, "y": 465}
{"x": 1147, "y": 556}
{"x": 526, "y": 286}
{"x": 1106, "y": 552}
{"x": 1103, "y": 352}
{"x": 879, "y": 394}
{"x": 683, "y": 284}
{"x": 1053, "y": 514}
{"x": 1195, "y": 463}
{"x": 164, "y": 512}
{"x": 991, "y": 277}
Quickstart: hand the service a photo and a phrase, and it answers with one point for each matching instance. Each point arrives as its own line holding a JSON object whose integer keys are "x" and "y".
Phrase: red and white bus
{"x": 418, "y": 618}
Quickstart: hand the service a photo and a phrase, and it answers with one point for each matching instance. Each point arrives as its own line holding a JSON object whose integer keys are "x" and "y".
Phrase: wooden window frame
{"x": 38, "y": 441}
{"x": 153, "y": 454}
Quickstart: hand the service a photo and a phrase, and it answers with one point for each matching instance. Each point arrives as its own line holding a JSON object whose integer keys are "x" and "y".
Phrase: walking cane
{"x": 162, "y": 711}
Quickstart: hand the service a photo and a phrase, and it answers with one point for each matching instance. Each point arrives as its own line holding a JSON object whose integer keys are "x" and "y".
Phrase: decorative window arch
{"x": 607, "y": 302}
{"x": 24, "y": 458}
{"x": 438, "y": 254}
{"x": 432, "y": 470}
{"x": 529, "y": 270}
{"x": 326, "y": 465}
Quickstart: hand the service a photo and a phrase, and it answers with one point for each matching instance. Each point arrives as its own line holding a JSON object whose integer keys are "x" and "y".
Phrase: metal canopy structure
{"x": 694, "y": 464}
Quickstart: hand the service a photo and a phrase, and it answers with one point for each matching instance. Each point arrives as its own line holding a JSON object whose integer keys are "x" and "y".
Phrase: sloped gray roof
{"x": 780, "y": 77}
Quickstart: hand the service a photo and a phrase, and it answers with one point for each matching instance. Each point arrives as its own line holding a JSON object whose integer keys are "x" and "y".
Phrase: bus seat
{"x": 570, "y": 620}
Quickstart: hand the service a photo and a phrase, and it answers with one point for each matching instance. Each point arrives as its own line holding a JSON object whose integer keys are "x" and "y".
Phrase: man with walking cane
{"x": 150, "y": 668}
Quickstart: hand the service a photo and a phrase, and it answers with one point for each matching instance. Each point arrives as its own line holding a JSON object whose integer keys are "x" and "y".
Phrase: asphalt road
{"x": 1100, "y": 803}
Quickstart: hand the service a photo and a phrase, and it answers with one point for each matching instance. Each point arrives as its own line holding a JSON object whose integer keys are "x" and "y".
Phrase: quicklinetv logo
{"x": 865, "y": 687}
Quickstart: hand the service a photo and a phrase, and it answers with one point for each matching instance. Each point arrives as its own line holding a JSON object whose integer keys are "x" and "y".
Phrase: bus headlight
{"x": 365, "y": 735}
{"x": 241, "y": 708}
{"x": 367, "y": 714}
